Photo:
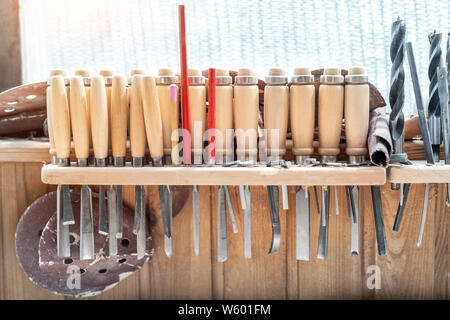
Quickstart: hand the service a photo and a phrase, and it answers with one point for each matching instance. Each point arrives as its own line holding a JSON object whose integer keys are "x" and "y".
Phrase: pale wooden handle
{"x": 174, "y": 123}
{"x": 302, "y": 118}
{"x": 137, "y": 127}
{"x": 50, "y": 121}
{"x": 197, "y": 115}
{"x": 79, "y": 117}
{"x": 99, "y": 118}
{"x": 169, "y": 116}
{"x": 118, "y": 116}
{"x": 61, "y": 117}
{"x": 331, "y": 108}
{"x": 152, "y": 116}
{"x": 356, "y": 118}
{"x": 276, "y": 101}
{"x": 224, "y": 118}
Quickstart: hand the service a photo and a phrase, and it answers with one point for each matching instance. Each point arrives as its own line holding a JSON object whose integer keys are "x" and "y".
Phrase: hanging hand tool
{"x": 197, "y": 118}
{"x": 378, "y": 217}
{"x": 276, "y": 108}
{"x": 118, "y": 120}
{"x": 331, "y": 108}
{"x": 153, "y": 128}
{"x": 60, "y": 119}
{"x": 245, "y": 111}
{"x": 444, "y": 101}
{"x": 302, "y": 113}
{"x": 137, "y": 146}
{"x": 356, "y": 129}
{"x": 423, "y": 127}
{"x": 81, "y": 138}
{"x": 167, "y": 92}
{"x": 99, "y": 128}
{"x": 434, "y": 109}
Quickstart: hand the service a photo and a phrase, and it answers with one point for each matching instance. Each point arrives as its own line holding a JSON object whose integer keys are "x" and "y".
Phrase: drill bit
{"x": 444, "y": 98}
{"x": 434, "y": 110}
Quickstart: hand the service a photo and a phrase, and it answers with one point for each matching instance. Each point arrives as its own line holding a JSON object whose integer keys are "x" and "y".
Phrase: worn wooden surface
{"x": 406, "y": 272}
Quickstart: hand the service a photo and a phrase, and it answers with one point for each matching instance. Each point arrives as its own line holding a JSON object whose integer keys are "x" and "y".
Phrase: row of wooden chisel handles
{"x": 106, "y": 111}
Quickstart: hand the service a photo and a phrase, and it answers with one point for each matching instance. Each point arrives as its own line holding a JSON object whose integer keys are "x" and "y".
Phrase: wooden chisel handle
{"x": 79, "y": 117}
{"x": 61, "y": 117}
{"x": 99, "y": 117}
{"x": 50, "y": 120}
{"x": 118, "y": 116}
{"x": 152, "y": 117}
{"x": 137, "y": 127}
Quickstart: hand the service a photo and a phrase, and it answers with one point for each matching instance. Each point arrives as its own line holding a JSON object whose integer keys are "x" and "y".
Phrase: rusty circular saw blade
{"x": 36, "y": 251}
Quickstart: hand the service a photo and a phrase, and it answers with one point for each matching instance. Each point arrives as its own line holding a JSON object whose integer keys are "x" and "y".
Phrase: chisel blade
{"x": 68, "y": 217}
{"x": 102, "y": 219}
{"x": 317, "y": 199}
{"x": 164, "y": 209}
{"x": 247, "y": 225}
{"x": 119, "y": 206}
{"x": 302, "y": 212}
{"x": 355, "y": 221}
{"x": 336, "y": 200}
{"x": 168, "y": 247}
{"x": 322, "y": 248}
{"x": 141, "y": 234}
{"x": 231, "y": 211}
{"x": 86, "y": 225}
{"x": 222, "y": 241}
{"x": 285, "y": 198}
{"x": 274, "y": 218}
{"x": 378, "y": 216}
{"x": 401, "y": 207}
{"x": 137, "y": 208}
{"x": 325, "y": 196}
{"x": 196, "y": 220}
{"x": 112, "y": 216}
{"x": 242, "y": 197}
{"x": 424, "y": 214}
{"x": 62, "y": 231}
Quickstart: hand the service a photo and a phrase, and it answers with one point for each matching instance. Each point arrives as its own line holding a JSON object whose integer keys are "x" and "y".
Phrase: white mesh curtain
{"x": 125, "y": 34}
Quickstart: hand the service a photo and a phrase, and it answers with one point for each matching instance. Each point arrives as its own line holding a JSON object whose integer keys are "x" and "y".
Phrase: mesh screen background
{"x": 123, "y": 35}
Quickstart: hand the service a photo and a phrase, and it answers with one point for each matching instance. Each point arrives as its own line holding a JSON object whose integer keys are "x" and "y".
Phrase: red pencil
{"x": 184, "y": 87}
{"x": 212, "y": 115}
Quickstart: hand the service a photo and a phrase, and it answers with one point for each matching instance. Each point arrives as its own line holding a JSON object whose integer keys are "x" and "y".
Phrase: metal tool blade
{"x": 86, "y": 225}
{"x": 349, "y": 206}
{"x": 102, "y": 219}
{"x": 378, "y": 217}
{"x": 401, "y": 208}
{"x": 284, "y": 197}
{"x": 62, "y": 231}
{"x": 112, "y": 215}
{"x": 230, "y": 210}
{"x": 247, "y": 225}
{"x": 317, "y": 199}
{"x": 274, "y": 218}
{"x": 137, "y": 208}
{"x": 196, "y": 220}
{"x": 242, "y": 196}
{"x": 322, "y": 248}
{"x": 141, "y": 234}
{"x": 119, "y": 207}
{"x": 302, "y": 212}
{"x": 352, "y": 204}
{"x": 168, "y": 247}
{"x": 424, "y": 214}
{"x": 325, "y": 196}
{"x": 355, "y": 222}
{"x": 164, "y": 215}
{"x": 336, "y": 200}
{"x": 222, "y": 242}
{"x": 68, "y": 217}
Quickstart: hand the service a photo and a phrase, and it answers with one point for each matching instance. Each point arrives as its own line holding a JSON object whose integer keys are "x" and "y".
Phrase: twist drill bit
{"x": 397, "y": 91}
{"x": 443, "y": 97}
{"x": 434, "y": 110}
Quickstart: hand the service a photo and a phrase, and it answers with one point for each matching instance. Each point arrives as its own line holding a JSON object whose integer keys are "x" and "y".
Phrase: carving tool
{"x": 444, "y": 101}
{"x": 276, "y": 108}
{"x": 197, "y": 117}
{"x": 167, "y": 92}
{"x": 378, "y": 217}
{"x": 119, "y": 121}
{"x": 81, "y": 138}
{"x": 331, "y": 107}
{"x": 154, "y": 131}
{"x": 302, "y": 112}
{"x": 137, "y": 146}
{"x": 60, "y": 119}
{"x": 246, "y": 111}
{"x": 99, "y": 127}
{"x": 356, "y": 129}
{"x": 423, "y": 127}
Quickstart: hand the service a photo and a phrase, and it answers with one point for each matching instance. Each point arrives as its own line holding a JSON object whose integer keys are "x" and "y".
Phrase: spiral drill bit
{"x": 434, "y": 109}
{"x": 397, "y": 91}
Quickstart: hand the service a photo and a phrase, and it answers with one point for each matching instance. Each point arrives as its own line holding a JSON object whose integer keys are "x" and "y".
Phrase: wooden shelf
{"x": 215, "y": 175}
{"x": 419, "y": 172}
{"x": 22, "y": 150}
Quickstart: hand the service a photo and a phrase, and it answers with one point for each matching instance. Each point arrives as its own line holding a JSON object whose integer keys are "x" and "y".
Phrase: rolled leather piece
{"x": 36, "y": 251}
{"x": 379, "y": 140}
